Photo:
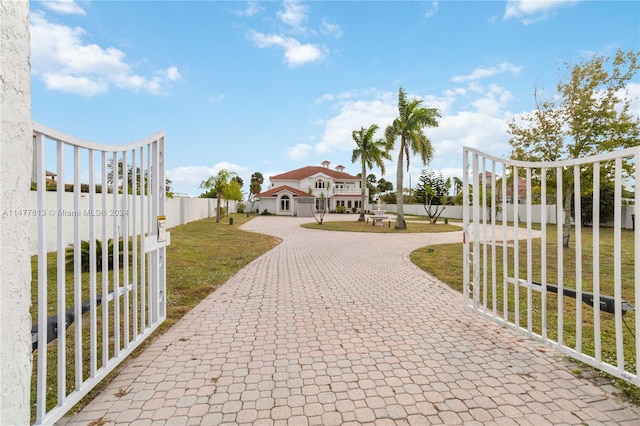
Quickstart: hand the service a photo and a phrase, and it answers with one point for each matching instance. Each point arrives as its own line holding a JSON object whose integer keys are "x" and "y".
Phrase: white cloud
{"x": 251, "y": 9}
{"x": 299, "y": 152}
{"x": 431, "y": 11}
{"x": 296, "y": 53}
{"x": 71, "y": 84}
{"x": 294, "y": 14}
{"x": 172, "y": 74}
{"x": 493, "y": 101}
{"x": 480, "y": 73}
{"x": 187, "y": 179}
{"x": 67, "y": 7}
{"x": 331, "y": 29}
{"x": 530, "y": 11}
{"x": 352, "y": 116}
{"x": 217, "y": 98}
{"x": 61, "y": 58}
{"x": 481, "y": 124}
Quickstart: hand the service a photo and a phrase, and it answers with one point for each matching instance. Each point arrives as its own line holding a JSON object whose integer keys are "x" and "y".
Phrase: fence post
{"x": 16, "y": 135}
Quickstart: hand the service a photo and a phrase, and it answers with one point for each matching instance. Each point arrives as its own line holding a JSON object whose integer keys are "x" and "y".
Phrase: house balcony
{"x": 346, "y": 191}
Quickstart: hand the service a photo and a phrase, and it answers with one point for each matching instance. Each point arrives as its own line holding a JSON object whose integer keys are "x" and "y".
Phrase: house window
{"x": 284, "y": 203}
{"x": 319, "y": 184}
{"x": 349, "y": 204}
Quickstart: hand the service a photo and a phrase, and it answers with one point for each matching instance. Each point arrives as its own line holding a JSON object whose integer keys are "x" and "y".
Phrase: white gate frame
{"x": 483, "y": 233}
{"x": 132, "y": 299}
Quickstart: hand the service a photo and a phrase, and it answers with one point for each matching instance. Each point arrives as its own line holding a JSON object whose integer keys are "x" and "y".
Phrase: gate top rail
{"x": 59, "y": 136}
{"x": 627, "y": 152}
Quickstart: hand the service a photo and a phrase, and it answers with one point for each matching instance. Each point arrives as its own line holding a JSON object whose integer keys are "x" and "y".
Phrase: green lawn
{"x": 355, "y": 226}
{"x": 202, "y": 256}
{"x": 451, "y": 273}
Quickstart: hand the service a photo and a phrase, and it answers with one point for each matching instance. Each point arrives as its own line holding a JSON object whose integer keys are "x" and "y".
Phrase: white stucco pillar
{"x": 15, "y": 179}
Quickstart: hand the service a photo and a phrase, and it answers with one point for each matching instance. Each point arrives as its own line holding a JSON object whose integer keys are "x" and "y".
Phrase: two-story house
{"x": 298, "y": 192}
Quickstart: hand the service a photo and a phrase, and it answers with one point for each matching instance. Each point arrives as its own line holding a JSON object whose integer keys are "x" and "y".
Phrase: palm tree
{"x": 218, "y": 183}
{"x": 408, "y": 126}
{"x": 370, "y": 152}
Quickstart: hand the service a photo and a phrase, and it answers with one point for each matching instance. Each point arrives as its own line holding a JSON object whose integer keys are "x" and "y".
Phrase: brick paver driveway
{"x": 335, "y": 328}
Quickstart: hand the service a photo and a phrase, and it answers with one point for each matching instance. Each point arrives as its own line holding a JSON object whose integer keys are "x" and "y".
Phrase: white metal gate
{"x": 583, "y": 300}
{"x": 100, "y": 261}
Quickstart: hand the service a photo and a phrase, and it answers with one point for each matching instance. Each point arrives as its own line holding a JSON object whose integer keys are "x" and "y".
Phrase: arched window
{"x": 285, "y": 203}
{"x": 319, "y": 184}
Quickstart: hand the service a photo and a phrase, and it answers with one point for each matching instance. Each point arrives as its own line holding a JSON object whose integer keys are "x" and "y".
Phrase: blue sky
{"x": 273, "y": 86}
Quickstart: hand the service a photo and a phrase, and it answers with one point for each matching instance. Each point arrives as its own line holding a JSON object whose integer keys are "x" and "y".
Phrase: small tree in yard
{"x": 233, "y": 191}
{"x": 321, "y": 210}
{"x": 217, "y": 184}
{"x": 432, "y": 191}
{"x": 590, "y": 115}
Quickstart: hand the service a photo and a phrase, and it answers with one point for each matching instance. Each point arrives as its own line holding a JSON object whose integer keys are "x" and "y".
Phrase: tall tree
{"x": 371, "y": 152}
{"x": 409, "y": 126}
{"x": 255, "y": 187}
{"x": 384, "y": 185}
{"x": 589, "y": 115}
{"x": 218, "y": 183}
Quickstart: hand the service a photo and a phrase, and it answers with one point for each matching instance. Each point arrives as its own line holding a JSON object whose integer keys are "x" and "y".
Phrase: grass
{"x": 355, "y": 226}
{"x": 202, "y": 256}
{"x": 451, "y": 273}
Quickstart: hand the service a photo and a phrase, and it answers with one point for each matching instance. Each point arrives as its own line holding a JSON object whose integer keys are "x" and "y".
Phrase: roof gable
{"x": 278, "y": 189}
{"x": 305, "y": 172}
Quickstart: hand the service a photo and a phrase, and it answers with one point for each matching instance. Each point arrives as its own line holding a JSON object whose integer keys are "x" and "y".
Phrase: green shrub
{"x": 241, "y": 207}
{"x": 85, "y": 251}
{"x": 341, "y": 209}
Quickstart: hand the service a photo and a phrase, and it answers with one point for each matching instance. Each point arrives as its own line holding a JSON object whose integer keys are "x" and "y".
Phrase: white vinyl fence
{"x": 583, "y": 299}
{"x": 100, "y": 298}
{"x": 178, "y": 211}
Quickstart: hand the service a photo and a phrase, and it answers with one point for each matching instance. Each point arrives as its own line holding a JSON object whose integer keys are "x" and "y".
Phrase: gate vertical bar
{"x": 505, "y": 247}
{"x": 596, "y": 261}
{"x": 105, "y": 265}
{"x": 529, "y": 254}
{"x": 516, "y": 245}
{"x": 41, "y": 391}
{"x": 543, "y": 249}
{"x": 93, "y": 320}
{"x": 617, "y": 261}
{"x": 477, "y": 196}
{"x": 494, "y": 213}
{"x": 77, "y": 274}
{"x": 115, "y": 170}
{"x": 161, "y": 211}
{"x": 154, "y": 260}
{"x": 465, "y": 227}
{"x": 125, "y": 246}
{"x": 578, "y": 232}
{"x": 560, "y": 247}
{"x": 134, "y": 235}
{"x": 482, "y": 193}
{"x": 61, "y": 277}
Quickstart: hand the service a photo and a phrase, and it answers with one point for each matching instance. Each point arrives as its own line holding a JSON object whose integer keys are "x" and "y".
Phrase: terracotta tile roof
{"x": 307, "y": 171}
{"x": 274, "y": 191}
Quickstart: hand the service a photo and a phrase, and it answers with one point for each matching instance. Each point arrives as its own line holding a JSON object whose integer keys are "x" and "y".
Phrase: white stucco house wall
{"x": 298, "y": 192}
